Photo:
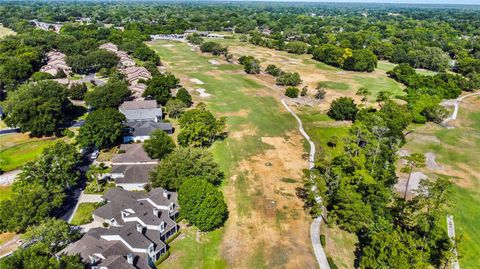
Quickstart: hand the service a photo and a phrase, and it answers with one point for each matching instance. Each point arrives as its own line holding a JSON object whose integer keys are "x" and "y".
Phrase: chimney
{"x": 139, "y": 228}
{"x": 130, "y": 258}
{"x": 165, "y": 194}
{"x": 162, "y": 226}
{"x": 155, "y": 211}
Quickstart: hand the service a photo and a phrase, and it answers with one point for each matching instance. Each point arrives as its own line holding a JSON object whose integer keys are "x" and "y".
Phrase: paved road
{"x": 456, "y": 106}
{"x": 451, "y": 234}
{"x": 315, "y": 226}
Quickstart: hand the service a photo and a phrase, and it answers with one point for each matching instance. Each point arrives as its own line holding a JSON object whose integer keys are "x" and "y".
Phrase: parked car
{"x": 95, "y": 154}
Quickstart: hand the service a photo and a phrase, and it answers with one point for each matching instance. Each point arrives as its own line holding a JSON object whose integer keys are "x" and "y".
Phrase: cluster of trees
{"x": 343, "y": 108}
{"x": 250, "y": 64}
{"x": 45, "y": 240}
{"x": 354, "y": 60}
{"x": 195, "y": 39}
{"x": 111, "y": 94}
{"x": 92, "y": 61}
{"x": 103, "y": 128}
{"x": 357, "y": 188}
{"x": 160, "y": 86}
{"x": 213, "y": 48}
{"x": 200, "y": 128}
{"x": 41, "y": 108}
{"x": 39, "y": 191}
{"x": 424, "y": 92}
{"x": 194, "y": 173}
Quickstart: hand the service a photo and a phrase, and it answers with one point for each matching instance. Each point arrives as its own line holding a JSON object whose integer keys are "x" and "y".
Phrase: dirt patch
{"x": 214, "y": 62}
{"x": 202, "y": 93}
{"x": 267, "y": 221}
{"x": 413, "y": 185}
{"x": 196, "y": 81}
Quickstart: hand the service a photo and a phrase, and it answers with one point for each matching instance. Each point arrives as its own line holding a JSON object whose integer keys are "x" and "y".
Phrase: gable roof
{"x": 145, "y": 104}
{"x": 145, "y": 128}
{"x": 136, "y": 173}
{"x": 133, "y": 153}
{"x": 142, "y": 114}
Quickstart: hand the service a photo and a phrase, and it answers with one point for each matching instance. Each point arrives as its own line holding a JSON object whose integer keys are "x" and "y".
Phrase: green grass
{"x": 342, "y": 86}
{"x": 5, "y": 193}
{"x": 83, "y": 215}
{"x": 378, "y": 84}
{"x": 467, "y": 223}
{"x": 189, "y": 253}
{"x": 3, "y": 125}
{"x": 387, "y": 66}
{"x": 321, "y": 129}
{"x": 12, "y": 157}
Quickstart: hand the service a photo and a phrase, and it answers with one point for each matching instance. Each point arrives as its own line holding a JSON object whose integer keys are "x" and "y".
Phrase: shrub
{"x": 213, "y": 47}
{"x": 292, "y": 92}
{"x": 331, "y": 263}
{"x": 322, "y": 240}
{"x": 289, "y": 79}
{"x": 273, "y": 70}
{"x": 162, "y": 258}
{"x": 343, "y": 108}
{"x": 77, "y": 91}
{"x": 304, "y": 91}
{"x": 320, "y": 94}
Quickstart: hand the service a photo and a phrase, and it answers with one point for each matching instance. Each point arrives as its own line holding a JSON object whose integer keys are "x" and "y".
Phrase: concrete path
{"x": 456, "y": 106}
{"x": 7, "y": 178}
{"x": 315, "y": 226}
{"x": 451, "y": 234}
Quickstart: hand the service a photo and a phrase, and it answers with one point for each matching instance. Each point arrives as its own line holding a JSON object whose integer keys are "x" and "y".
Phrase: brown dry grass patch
{"x": 275, "y": 228}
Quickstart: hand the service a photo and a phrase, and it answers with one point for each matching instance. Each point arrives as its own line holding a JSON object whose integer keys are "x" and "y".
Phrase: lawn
{"x": 17, "y": 149}
{"x": 187, "y": 252}
{"x": 83, "y": 215}
{"x": 253, "y": 112}
{"x": 312, "y": 72}
{"x": 340, "y": 245}
{"x": 5, "y": 31}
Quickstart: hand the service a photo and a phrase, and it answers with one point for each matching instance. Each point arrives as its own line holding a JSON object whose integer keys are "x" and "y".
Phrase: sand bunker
{"x": 430, "y": 160}
{"x": 167, "y": 45}
{"x": 214, "y": 62}
{"x": 196, "y": 81}
{"x": 202, "y": 93}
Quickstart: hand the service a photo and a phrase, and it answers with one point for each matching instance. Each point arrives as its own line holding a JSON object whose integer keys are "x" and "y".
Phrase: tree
{"x": 202, "y": 204}
{"x": 60, "y": 74}
{"x": 288, "y": 79}
{"x": 250, "y": 64}
{"x": 40, "y": 108}
{"x": 184, "y": 163}
{"x": 292, "y": 92}
{"x": 184, "y": 96}
{"x": 213, "y": 47}
{"x": 199, "y": 128}
{"x": 55, "y": 167}
{"x": 30, "y": 204}
{"x": 195, "y": 39}
{"x": 159, "y": 88}
{"x": 175, "y": 108}
{"x": 37, "y": 256}
{"x": 77, "y": 91}
{"x": 54, "y": 234}
{"x": 111, "y": 94}
{"x": 343, "y": 108}
{"x": 94, "y": 172}
{"x": 273, "y": 70}
{"x": 304, "y": 91}
{"x": 297, "y": 47}
{"x": 414, "y": 160}
{"x": 93, "y": 61}
{"x": 103, "y": 128}
{"x": 38, "y": 76}
{"x": 159, "y": 144}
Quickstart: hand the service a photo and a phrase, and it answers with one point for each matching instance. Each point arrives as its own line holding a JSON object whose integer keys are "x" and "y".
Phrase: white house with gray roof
{"x": 146, "y": 110}
{"x": 138, "y": 225}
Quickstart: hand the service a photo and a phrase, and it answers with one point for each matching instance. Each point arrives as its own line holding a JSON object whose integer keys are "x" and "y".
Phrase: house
{"x": 134, "y": 74}
{"x": 137, "y": 89}
{"x": 127, "y": 61}
{"x": 145, "y": 110}
{"x": 131, "y": 177}
{"x": 55, "y": 63}
{"x": 138, "y": 225}
{"x": 139, "y": 131}
{"x": 132, "y": 154}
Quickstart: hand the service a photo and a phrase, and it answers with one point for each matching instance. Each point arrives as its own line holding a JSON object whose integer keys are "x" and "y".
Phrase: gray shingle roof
{"x": 134, "y": 153}
{"x": 145, "y": 128}
{"x": 136, "y": 173}
{"x": 142, "y": 114}
{"x": 144, "y": 104}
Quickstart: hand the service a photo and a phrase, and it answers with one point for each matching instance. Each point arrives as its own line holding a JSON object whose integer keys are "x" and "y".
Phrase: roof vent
{"x": 165, "y": 194}
{"x": 139, "y": 228}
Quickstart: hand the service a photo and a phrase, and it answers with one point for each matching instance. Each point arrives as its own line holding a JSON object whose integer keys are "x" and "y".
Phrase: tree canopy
{"x": 158, "y": 145}
{"x": 112, "y": 94}
{"x": 343, "y": 108}
{"x": 202, "y": 204}
{"x": 199, "y": 128}
{"x": 184, "y": 163}
{"x": 40, "y": 108}
{"x": 103, "y": 128}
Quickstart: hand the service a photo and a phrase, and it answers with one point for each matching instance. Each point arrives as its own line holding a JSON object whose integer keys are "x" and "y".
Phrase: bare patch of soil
{"x": 275, "y": 223}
